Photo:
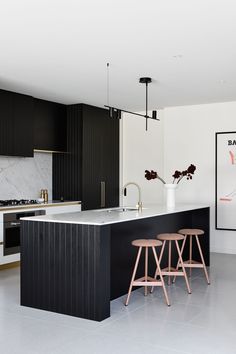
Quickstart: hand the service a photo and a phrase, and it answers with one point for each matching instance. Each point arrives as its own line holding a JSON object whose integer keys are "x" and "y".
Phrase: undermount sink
{"x": 117, "y": 210}
{"x": 121, "y": 210}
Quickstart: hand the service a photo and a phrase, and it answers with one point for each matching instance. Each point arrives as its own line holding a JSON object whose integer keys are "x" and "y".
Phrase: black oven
{"x": 11, "y": 231}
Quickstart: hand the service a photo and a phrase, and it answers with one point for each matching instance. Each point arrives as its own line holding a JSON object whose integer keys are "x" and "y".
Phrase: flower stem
{"x": 180, "y": 179}
{"x": 162, "y": 180}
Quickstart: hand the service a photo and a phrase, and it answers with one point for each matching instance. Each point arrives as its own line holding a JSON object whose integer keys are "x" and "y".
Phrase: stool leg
{"x": 182, "y": 249}
{"x": 146, "y": 270}
{"x": 183, "y": 268}
{"x": 202, "y": 258}
{"x": 160, "y": 258}
{"x": 161, "y": 277}
{"x": 133, "y": 275}
{"x": 190, "y": 253}
{"x": 162, "y": 251}
{"x": 169, "y": 262}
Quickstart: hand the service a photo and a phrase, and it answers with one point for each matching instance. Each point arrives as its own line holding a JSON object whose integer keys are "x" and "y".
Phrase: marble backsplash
{"x": 24, "y": 177}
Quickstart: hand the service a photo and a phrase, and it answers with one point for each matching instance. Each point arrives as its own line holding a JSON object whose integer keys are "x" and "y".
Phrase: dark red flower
{"x": 153, "y": 174}
{"x": 147, "y": 175}
{"x": 177, "y": 174}
{"x": 191, "y": 169}
{"x": 150, "y": 175}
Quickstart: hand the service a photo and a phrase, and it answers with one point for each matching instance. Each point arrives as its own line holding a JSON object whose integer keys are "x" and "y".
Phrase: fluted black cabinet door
{"x": 16, "y": 124}
{"x": 23, "y": 125}
{"x": 93, "y": 118}
{"x": 110, "y": 161}
{"x": 100, "y": 164}
{"x": 67, "y": 167}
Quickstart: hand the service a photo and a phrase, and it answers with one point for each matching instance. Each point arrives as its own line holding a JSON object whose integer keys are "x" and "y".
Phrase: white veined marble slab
{"x": 113, "y": 215}
{"x": 24, "y": 177}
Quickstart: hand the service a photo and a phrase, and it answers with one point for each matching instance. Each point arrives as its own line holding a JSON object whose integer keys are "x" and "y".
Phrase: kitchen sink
{"x": 117, "y": 210}
{"x": 121, "y": 210}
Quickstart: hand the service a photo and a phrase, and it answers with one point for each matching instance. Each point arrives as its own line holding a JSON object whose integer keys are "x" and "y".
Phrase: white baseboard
{"x": 223, "y": 250}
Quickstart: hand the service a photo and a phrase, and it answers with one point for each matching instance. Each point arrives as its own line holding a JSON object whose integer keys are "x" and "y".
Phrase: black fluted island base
{"x": 77, "y": 269}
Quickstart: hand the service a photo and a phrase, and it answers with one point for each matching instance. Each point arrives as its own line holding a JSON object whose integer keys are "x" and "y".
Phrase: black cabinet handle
{"x": 103, "y": 194}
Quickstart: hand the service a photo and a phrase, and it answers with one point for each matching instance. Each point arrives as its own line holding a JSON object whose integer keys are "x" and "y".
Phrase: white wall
{"x": 189, "y": 137}
{"x": 24, "y": 177}
{"x": 184, "y": 135}
{"x": 141, "y": 150}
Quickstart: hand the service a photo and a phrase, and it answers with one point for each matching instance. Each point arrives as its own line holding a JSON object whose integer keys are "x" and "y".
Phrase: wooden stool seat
{"x": 189, "y": 232}
{"x": 146, "y": 280}
{"x": 190, "y": 263}
{"x": 170, "y": 237}
{"x": 171, "y": 271}
{"x": 146, "y": 243}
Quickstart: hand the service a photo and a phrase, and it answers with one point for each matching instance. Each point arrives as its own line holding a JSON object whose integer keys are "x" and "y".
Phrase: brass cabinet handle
{"x": 103, "y": 194}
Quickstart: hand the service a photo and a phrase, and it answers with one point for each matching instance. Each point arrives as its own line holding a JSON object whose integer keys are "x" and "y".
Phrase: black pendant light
{"x": 115, "y": 112}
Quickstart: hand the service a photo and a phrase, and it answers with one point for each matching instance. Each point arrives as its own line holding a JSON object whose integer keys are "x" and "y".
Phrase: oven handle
{"x": 13, "y": 223}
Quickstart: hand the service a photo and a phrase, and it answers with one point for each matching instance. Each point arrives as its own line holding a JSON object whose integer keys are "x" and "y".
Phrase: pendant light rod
{"x": 146, "y": 81}
{"x": 134, "y": 113}
{"x": 108, "y": 84}
{"x": 146, "y": 106}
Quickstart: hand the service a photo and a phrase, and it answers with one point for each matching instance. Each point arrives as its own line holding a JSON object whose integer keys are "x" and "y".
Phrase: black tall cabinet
{"x": 89, "y": 171}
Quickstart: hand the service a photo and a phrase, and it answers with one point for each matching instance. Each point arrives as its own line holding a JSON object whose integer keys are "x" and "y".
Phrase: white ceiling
{"x": 58, "y": 50}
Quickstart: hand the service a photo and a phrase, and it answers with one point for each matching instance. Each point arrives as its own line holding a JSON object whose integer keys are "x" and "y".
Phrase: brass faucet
{"x": 140, "y": 204}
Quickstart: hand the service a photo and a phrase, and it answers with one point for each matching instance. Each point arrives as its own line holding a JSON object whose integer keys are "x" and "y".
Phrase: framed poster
{"x": 225, "y": 194}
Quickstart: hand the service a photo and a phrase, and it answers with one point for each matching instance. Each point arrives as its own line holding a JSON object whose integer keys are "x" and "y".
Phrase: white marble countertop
{"x": 113, "y": 215}
{"x": 50, "y": 203}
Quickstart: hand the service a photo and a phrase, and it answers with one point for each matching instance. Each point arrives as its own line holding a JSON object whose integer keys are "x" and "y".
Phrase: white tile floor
{"x": 204, "y": 322}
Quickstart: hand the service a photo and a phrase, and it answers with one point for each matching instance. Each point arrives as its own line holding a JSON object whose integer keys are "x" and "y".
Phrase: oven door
{"x": 11, "y": 238}
{"x": 11, "y": 233}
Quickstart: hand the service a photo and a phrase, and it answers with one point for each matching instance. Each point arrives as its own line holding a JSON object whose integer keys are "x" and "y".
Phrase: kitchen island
{"x": 76, "y": 263}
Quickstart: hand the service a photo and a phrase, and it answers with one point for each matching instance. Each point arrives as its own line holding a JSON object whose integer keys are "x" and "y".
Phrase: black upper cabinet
{"x": 16, "y": 124}
{"x": 49, "y": 125}
{"x": 6, "y": 123}
{"x": 28, "y": 123}
{"x": 23, "y": 125}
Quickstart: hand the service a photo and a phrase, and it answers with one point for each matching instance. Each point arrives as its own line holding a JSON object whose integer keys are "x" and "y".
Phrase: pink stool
{"x": 170, "y": 271}
{"x": 146, "y": 280}
{"x": 191, "y": 263}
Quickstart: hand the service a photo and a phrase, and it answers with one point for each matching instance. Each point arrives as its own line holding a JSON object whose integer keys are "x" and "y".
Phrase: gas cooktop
{"x": 12, "y": 202}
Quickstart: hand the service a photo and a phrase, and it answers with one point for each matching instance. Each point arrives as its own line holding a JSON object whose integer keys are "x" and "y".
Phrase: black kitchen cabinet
{"x": 90, "y": 170}
{"x": 23, "y": 125}
{"x": 28, "y": 123}
{"x": 100, "y": 163}
{"x": 16, "y": 124}
{"x": 49, "y": 125}
{"x": 6, "y": 123}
